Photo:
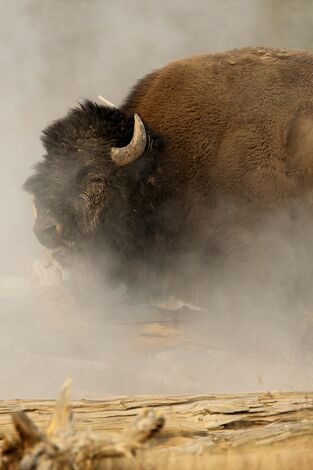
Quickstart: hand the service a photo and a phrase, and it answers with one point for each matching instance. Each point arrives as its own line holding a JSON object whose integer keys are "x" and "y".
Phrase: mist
{"x": 54, "y": 54}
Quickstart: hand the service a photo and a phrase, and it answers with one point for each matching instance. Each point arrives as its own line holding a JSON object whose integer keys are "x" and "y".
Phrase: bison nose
{"x": 47, "y": 233}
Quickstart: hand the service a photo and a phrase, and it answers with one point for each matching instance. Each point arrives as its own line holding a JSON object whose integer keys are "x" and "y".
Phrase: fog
{"x": 52, "y": 55}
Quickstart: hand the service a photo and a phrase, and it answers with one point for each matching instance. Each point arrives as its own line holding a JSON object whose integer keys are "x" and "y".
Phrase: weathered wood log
{"x": 244, "y": 431}
{"x": 59, "y": 447}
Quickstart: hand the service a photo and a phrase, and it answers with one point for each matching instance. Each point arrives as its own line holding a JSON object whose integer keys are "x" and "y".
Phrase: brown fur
{"x": 227, "y": 120}
{"x": 238, "y": 129}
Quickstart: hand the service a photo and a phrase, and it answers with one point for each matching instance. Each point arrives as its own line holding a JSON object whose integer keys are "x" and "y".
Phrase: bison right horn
{"x": 125, "y": 155}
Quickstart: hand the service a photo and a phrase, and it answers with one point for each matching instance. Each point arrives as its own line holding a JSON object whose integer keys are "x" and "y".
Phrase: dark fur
{"x": 232, "y": 138}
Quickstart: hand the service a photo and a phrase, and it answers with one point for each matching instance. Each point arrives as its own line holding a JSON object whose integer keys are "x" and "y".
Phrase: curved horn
{"x": 125, "y": 155}
{"x": 106, "y": 102}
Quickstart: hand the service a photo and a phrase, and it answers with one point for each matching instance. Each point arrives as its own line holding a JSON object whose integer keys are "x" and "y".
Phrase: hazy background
{"x": 53, "y": 54}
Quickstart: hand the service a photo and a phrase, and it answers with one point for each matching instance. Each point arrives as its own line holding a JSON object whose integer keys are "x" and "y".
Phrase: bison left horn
{"x": 106, "y": 102}
{"x": 125, "y": 155}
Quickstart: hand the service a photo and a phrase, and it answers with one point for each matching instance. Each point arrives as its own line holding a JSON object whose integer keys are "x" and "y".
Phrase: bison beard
{"x": 226, "y": 144}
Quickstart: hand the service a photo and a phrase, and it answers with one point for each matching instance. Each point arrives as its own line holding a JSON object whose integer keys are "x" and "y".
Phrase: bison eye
{"x": 96, "y": 179}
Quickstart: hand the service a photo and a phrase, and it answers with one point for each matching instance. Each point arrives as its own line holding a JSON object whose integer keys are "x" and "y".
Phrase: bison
{"x": 183, "y": 172}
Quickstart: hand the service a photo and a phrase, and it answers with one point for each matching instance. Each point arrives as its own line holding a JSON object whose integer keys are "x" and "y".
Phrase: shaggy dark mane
{"x": 86, "y": 122}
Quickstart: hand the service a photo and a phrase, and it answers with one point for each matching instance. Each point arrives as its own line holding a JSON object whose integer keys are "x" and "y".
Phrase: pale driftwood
{"x": 60, "y": 447}
{"x": 245, "y": 431}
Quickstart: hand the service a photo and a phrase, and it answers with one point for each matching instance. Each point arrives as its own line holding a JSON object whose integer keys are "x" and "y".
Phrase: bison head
{"x": 95, "y": 159}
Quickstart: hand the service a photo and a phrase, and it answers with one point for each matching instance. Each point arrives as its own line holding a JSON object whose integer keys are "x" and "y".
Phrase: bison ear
{"x": 126, "y": 155}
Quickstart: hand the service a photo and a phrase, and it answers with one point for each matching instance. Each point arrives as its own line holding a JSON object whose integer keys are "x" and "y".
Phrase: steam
{"x": 255, "y": 333}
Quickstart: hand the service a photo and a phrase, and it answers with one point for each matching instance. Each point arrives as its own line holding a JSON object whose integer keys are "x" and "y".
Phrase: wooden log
{"x": 245, "y": 431}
